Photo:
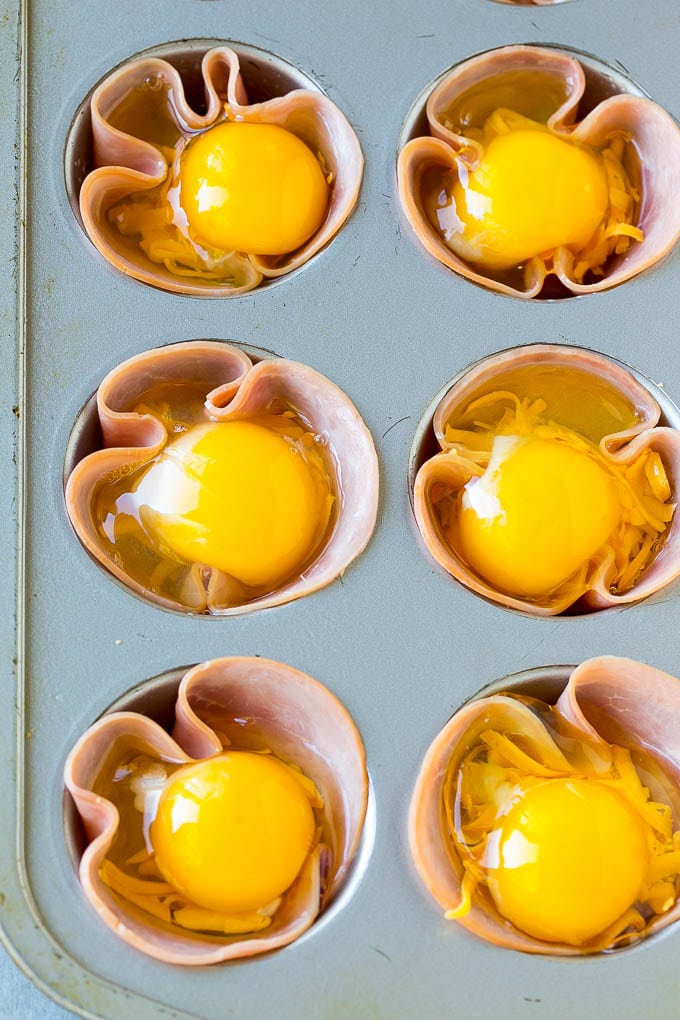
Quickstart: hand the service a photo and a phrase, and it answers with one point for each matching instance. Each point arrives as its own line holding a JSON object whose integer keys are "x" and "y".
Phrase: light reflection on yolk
{"x": 532, "y": 192}
{"x": 572, "y": 857}
{"x": 254, "y": 188}
{"x": 231, "y": 833}
{"x": 540, "y": 510}
{"x": 235, "y": 496}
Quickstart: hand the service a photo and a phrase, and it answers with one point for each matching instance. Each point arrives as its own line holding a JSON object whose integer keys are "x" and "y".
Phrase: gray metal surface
{"x": 21, "y": 1000}
{"x": 398, "y": 641}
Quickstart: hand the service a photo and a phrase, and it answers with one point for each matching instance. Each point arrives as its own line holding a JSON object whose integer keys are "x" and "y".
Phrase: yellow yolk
{"x": 235, "y": 496}
{"x": 252, "y": 188}
{"x": 539, "y": 512}
{"x": 572, "y": 858}
{"x": 532, "y": 192}
{"x": 231, "y": 833}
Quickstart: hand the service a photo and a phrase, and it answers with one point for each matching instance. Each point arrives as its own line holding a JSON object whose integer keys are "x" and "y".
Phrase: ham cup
{"x": 224, "y": 486}
{"x": 213, "y": 203}
{"x": 555, "y": 828}
{"x": 229, "y": 838}
{"x": 554, "y": 488}
{"x": 515, "y": 189}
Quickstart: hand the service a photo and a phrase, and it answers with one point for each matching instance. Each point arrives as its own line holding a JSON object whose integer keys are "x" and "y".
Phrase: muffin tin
{"x": 397, "y": 640}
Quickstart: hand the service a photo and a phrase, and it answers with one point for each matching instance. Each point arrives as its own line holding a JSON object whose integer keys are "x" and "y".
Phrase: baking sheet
{"x": 396, "y": 639}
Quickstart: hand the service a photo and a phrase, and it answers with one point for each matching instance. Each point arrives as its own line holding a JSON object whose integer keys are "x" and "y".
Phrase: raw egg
{"x": 214, "y": 203}
{"x": 552, "y": 489}
{"x": 587, "y": 834}
{"x": 219, "y": 498}
{"x": 533, "y": 193}
{"x": 511, "y": 191}
{"x": 252, "y": 187}
{"x": 558, "y": 828}
{"x": 232, "y": 833}
{"x": 210, "y": 846}
{"x": 542, "y": 508}
{"x": 251, "y": 499}
{"x": 230, "y": 837}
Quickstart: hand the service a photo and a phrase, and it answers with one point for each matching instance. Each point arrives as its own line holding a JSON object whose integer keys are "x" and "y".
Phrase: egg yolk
{"x": 572, "y": 858}
{"x": 235, "y": 496}
{"x": 254, "y": 188}
{"x": 231, "y": 833}
{"x": 538, "y": 513}
{"x": 532, "y": 192}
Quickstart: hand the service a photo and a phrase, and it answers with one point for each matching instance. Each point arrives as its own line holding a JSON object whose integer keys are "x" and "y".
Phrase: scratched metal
{"x": 396, "y": 640}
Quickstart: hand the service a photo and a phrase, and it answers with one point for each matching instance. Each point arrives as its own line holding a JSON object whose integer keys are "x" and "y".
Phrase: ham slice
{"x": 235, "y": 388}
{"x": 452, "y": 471}
{"x": 301, "y": 722}
{"x": 125, "y": 165}
{"x": 653, "y": 133}
{"x": 607, "y": 700}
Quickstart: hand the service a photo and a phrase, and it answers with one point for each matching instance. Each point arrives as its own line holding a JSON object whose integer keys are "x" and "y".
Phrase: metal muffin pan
{"x": 396, "y": 639}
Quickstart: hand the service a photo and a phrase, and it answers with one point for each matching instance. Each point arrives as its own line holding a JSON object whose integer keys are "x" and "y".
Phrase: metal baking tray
{"x": 399, "y": 642}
